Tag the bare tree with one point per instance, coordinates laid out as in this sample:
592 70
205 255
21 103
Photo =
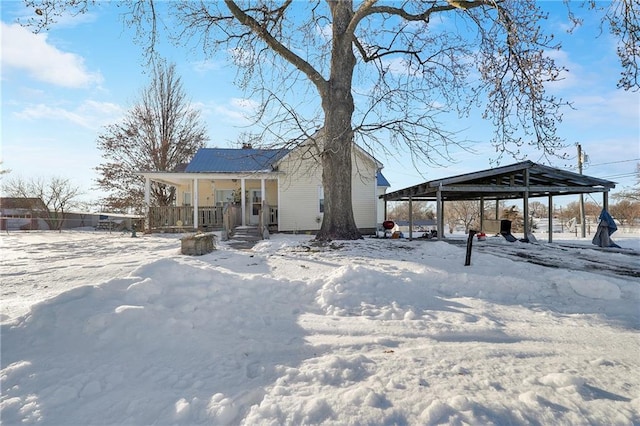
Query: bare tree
421 210
465 212
625 211
491 211
58 195
537 209
591 210
375 71
161 132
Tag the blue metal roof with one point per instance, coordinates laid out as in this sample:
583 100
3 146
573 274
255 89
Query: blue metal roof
227 160
381 180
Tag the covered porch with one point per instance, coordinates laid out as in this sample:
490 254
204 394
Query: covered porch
213 201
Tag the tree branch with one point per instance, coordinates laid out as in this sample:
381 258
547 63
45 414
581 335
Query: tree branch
259 30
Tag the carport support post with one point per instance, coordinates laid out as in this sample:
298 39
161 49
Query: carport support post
410 218
605 200
550 218
525 204
481 214
439 215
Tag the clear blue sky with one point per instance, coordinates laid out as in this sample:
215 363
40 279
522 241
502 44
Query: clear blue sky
61 87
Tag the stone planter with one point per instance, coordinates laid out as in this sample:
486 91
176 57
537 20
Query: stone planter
198 244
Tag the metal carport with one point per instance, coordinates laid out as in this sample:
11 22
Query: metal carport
522 180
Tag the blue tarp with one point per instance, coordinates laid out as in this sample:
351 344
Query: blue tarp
606 227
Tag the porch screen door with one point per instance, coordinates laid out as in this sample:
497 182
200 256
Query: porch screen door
255 205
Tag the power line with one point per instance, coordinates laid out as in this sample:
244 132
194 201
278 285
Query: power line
613 162
624 175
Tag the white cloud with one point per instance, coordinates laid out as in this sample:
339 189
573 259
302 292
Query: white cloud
615 109
236 111
202 67
244 104
89 114
26 51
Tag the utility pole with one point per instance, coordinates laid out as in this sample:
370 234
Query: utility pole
582 214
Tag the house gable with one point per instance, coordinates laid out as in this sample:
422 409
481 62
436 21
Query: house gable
382 181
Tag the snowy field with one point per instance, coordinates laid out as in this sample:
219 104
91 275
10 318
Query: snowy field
102 328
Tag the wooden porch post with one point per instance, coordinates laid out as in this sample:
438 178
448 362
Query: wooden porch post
243 203
264 214
195 204
147 201
278 191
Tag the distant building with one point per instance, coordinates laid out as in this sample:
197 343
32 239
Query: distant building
28 214
21 213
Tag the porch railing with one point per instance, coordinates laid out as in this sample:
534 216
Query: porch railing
210 217
181 217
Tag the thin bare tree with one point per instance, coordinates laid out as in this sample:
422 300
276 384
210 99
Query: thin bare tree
464 212
159 133
57 194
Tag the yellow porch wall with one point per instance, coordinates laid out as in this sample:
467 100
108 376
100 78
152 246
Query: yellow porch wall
207 188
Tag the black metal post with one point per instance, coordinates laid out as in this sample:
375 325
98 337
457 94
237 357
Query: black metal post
467 259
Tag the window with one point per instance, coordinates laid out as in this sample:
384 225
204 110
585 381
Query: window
224 196
186 199
321 199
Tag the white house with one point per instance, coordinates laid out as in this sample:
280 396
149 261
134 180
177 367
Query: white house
278 188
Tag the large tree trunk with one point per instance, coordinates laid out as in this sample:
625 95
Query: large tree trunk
337 103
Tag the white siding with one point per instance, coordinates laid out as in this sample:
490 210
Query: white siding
298 208
380 216
363 190
299 204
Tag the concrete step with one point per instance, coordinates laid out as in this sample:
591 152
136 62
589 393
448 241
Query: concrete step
246 232
245 237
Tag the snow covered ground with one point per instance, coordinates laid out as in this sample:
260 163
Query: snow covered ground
102 328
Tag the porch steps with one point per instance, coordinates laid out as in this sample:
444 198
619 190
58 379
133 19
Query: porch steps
244 237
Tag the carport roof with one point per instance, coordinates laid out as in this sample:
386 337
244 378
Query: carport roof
507 182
